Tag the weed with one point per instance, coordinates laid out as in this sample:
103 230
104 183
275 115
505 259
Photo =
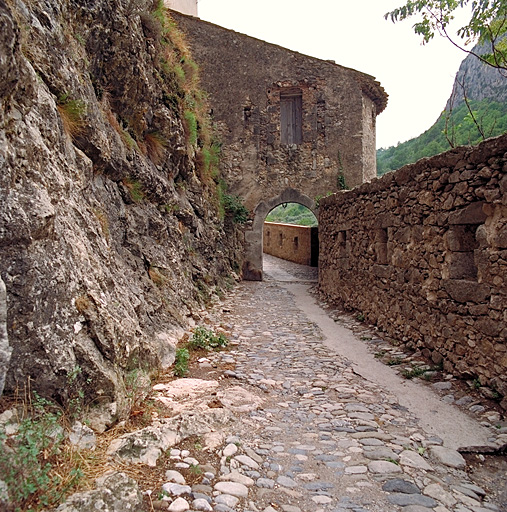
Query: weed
365 338
235 208
80 39
136 384
103 221
206 339
195 469
198 446
181 362
319 197
380 354
135 189
72 114
82 303
341 182
415 371
360 317
389 459
395 361
171 207
476 383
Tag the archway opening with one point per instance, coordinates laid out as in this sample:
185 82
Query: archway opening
252 264
291 233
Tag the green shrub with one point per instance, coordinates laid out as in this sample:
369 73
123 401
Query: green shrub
206 339
181 362
28 459
234 207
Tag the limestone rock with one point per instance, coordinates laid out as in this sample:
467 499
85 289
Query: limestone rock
239 399
414 460
102 254
144 446
115 492
448 457
5 349
232 488
82 436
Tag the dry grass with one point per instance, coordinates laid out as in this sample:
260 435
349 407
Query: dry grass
72 113
83 303
155 145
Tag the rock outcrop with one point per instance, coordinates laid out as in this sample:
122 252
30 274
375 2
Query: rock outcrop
110 236
5 349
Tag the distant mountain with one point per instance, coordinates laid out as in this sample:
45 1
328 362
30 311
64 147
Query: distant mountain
479 97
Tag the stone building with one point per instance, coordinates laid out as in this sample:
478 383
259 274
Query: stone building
293 127
184 6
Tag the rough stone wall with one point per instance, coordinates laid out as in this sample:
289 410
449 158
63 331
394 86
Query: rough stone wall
245 77
422 253
290 242
106 251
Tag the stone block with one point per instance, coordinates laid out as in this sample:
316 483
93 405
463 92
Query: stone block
460 238
471 214
462 290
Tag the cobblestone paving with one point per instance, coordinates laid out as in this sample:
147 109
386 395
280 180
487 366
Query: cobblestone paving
323 439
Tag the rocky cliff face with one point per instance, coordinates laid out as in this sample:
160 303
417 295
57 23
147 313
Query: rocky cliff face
109 235
477 81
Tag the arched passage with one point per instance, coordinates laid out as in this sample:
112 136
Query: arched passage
252 266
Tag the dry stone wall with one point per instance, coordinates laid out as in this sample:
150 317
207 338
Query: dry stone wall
422 253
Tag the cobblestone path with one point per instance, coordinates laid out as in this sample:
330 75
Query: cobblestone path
324 438
295 428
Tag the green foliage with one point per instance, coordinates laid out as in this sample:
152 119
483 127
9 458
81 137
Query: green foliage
487 24
293 213
456 126
415 371
191 126
206 339
321 196
342 185
234 208
181 362
27 459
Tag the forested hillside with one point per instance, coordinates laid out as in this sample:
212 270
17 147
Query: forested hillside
476 110
452 129
292 213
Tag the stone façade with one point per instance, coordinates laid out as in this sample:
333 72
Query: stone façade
247 80
422 253
290 242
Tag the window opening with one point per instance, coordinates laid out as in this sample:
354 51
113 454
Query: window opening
291 117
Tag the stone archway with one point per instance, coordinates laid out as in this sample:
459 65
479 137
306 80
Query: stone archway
252 266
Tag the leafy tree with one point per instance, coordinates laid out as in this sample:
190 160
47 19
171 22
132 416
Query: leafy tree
487 24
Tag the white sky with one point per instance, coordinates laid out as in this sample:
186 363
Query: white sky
354 33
